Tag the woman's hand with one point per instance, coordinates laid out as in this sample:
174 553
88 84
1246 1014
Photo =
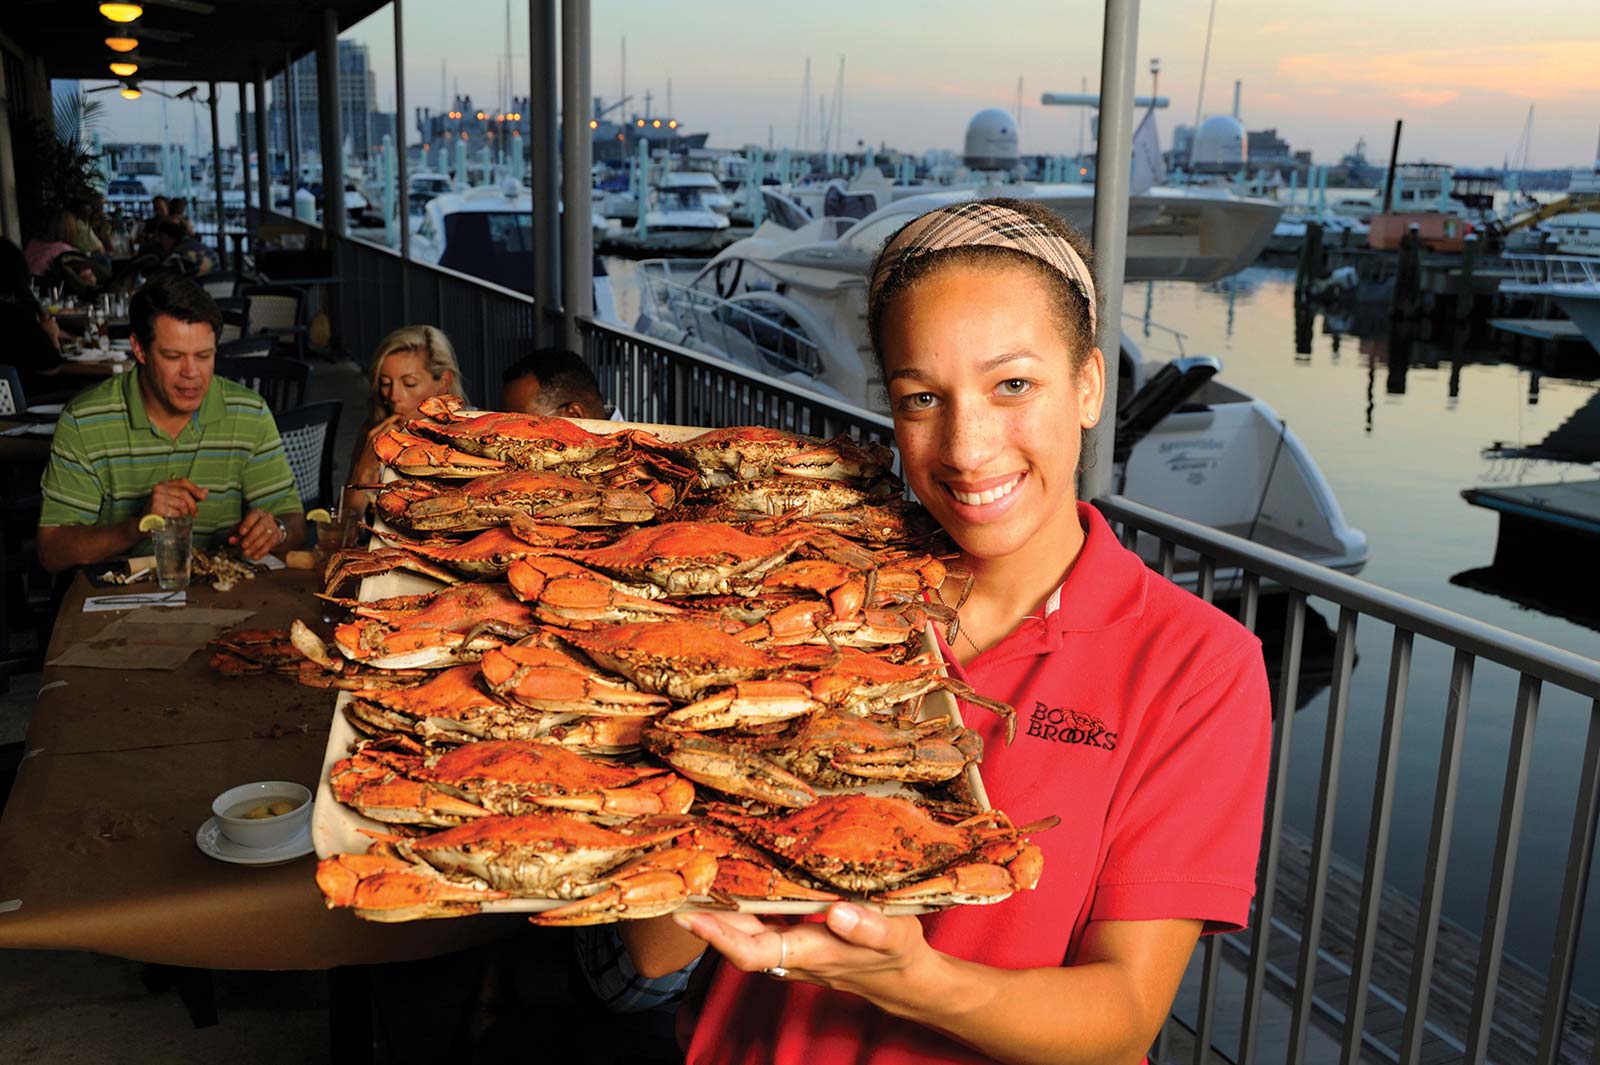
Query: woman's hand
365 470
856 949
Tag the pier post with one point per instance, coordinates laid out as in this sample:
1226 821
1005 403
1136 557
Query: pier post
1113 175
1464 293
1408 275
545 177
402 186
577 234
216 180
330 120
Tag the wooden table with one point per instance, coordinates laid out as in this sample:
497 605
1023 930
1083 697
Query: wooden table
96 367
97 847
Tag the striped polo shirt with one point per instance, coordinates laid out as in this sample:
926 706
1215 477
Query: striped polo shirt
107 457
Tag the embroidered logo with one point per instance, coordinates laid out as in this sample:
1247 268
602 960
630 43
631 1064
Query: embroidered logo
1068 726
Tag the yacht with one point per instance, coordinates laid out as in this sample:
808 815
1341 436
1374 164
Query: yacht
677 216
486 232
1571 282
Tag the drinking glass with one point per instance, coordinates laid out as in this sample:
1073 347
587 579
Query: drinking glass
173 544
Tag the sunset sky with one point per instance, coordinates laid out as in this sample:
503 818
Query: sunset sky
1461 73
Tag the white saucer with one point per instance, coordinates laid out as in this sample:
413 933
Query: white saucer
214 844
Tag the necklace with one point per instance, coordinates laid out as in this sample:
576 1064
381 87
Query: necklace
960 630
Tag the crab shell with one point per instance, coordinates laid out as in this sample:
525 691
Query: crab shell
498 777
675 658
744 453
543 678
524 441
540 855
891 849
439 629
691 558
416 456
382 887
502 498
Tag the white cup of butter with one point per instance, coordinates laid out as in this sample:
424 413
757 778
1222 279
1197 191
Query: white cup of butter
265 813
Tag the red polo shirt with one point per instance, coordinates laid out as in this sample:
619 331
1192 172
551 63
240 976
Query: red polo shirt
1145 724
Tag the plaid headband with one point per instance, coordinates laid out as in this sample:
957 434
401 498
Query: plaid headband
977 223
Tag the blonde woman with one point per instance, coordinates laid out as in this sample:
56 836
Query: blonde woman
411 364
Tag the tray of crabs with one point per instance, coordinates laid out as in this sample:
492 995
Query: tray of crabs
541 730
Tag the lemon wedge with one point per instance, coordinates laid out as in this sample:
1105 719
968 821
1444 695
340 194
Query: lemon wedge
152 522
318 514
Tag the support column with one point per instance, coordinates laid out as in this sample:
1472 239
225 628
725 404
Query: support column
330 119
544 151
291 127
216 180
244 144
577 237
1113 171
263 145
403 190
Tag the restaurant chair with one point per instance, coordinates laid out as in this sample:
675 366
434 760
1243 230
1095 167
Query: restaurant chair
256 347
11 399
278 310
281 382
221 284
308 434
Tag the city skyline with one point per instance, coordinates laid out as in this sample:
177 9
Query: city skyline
1317 76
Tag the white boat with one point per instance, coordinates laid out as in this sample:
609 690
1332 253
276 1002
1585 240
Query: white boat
486 232
1572 282
1573 234
677 216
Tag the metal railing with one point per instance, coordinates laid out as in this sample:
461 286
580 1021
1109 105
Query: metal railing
1540 270
1537 667
702 318
653 381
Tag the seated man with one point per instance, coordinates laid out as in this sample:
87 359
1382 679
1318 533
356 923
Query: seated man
553 381
167 438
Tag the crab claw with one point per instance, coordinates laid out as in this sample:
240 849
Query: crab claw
729 768
977 882
564 592
417 456
382 887
651 886
369 782
543 679
747 703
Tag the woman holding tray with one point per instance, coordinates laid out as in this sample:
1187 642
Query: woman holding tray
1145 719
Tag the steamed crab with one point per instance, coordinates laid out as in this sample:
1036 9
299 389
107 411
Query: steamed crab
544 678
523 441
676 658
440 628
892 850
503 497
725 455
397 781
416 456
488 554
827 747
627 870
813 679
454 708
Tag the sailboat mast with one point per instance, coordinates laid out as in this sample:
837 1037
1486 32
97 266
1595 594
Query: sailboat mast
1205 61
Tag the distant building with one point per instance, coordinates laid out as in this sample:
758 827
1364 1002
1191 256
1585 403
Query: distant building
362 123
1265 148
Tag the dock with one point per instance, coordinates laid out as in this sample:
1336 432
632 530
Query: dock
1515 1033
1539 521
1554 329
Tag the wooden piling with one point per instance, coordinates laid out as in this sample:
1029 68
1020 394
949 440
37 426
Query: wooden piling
1464 293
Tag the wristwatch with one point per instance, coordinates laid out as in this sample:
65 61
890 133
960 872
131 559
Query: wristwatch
283 530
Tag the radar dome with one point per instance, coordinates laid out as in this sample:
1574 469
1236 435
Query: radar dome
1219 145
991 141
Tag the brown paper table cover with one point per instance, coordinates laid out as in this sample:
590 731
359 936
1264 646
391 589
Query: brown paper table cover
97 839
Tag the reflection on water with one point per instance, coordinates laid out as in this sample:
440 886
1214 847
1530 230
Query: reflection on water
1400 421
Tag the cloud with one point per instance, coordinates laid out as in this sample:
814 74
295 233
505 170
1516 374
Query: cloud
1546 70
1428 97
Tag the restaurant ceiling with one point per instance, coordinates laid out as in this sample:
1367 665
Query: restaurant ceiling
175 44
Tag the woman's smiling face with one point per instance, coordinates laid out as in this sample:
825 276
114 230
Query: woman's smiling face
989 407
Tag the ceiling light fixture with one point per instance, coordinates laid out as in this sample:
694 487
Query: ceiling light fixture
122 44
124 70
130 93
121 12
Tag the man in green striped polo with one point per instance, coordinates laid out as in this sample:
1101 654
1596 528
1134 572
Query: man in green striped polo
167 438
